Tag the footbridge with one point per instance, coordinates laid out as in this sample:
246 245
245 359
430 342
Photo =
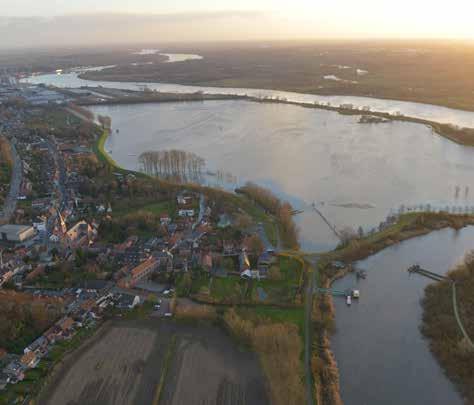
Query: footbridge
434 276
329 224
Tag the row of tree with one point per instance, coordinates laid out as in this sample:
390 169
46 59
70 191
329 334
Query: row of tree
283 211
172 163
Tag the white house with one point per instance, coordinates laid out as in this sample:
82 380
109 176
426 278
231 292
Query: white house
186 213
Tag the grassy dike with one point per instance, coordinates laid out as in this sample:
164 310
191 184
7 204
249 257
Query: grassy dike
323 362
103 156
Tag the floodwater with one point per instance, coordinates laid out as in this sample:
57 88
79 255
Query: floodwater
409 109
356 173
381 353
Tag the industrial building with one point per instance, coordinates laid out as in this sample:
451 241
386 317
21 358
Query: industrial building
16 233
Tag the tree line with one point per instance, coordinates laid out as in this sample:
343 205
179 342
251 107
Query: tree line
172 163
283 211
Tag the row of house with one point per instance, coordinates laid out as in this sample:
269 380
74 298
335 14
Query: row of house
83 310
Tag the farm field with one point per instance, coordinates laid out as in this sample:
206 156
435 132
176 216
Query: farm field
124 364
208 368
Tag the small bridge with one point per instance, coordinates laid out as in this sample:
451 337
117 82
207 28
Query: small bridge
297 212
331 226
434 276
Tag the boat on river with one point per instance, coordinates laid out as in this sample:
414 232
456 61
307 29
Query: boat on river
361 274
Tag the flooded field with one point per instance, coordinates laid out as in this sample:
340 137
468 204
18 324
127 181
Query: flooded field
356 173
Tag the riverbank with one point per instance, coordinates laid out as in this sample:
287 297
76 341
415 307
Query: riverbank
453 351
324 365
134 97
407 227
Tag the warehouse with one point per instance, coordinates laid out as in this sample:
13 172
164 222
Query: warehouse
16 233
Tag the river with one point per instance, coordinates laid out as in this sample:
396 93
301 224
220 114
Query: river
409 109
381 354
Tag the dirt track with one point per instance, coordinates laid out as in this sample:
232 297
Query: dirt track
122 365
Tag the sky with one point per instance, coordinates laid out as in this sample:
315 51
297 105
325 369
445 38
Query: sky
45 21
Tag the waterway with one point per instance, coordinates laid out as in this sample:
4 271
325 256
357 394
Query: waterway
409 109
381 353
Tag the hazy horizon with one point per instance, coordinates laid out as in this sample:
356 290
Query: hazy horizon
28 23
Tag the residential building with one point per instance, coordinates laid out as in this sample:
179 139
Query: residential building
141 272
29 360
